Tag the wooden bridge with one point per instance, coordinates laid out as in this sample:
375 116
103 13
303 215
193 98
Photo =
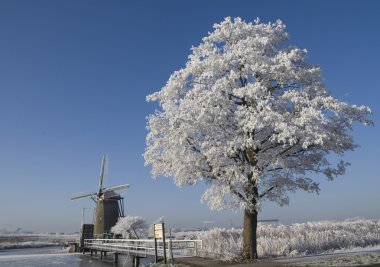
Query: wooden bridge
142 248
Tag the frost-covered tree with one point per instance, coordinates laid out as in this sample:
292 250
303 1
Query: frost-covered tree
252 118
133 227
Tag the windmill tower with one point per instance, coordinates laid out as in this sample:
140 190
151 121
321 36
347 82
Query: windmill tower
109 204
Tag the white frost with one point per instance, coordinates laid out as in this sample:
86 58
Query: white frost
301 239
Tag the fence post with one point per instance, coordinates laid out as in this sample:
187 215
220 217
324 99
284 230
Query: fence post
155 250
171 245
163 240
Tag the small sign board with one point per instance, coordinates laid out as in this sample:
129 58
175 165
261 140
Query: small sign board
158 230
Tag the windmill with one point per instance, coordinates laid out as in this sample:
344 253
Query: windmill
109 204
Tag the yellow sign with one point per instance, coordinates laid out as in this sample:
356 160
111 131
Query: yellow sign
158 230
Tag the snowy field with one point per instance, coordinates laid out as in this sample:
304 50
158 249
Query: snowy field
296 240
14 241
351 242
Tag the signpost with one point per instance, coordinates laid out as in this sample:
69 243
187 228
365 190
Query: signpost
159 232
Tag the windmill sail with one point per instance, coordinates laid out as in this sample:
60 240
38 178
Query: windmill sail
101 176
119 187
83 195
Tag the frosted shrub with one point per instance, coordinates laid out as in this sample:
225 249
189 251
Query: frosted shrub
293 240
220 243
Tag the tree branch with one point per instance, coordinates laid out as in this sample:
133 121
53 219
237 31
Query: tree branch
266 192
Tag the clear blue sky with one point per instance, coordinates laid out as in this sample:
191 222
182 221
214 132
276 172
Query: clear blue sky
73 81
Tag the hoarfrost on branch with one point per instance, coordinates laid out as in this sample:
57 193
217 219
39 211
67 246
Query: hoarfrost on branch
251 117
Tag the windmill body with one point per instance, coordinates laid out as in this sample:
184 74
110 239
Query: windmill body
109 204
107 213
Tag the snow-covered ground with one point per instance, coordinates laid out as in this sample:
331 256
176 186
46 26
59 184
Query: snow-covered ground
355 257
28 244
12 241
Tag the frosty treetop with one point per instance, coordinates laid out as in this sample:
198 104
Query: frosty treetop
249 115
130 227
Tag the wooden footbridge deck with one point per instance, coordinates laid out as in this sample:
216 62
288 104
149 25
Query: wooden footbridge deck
142 248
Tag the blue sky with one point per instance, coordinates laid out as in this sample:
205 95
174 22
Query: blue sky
73 81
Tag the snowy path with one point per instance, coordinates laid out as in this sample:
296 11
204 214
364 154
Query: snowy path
355 257
364 257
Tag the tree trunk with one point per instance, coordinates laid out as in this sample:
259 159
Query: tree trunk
249 235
